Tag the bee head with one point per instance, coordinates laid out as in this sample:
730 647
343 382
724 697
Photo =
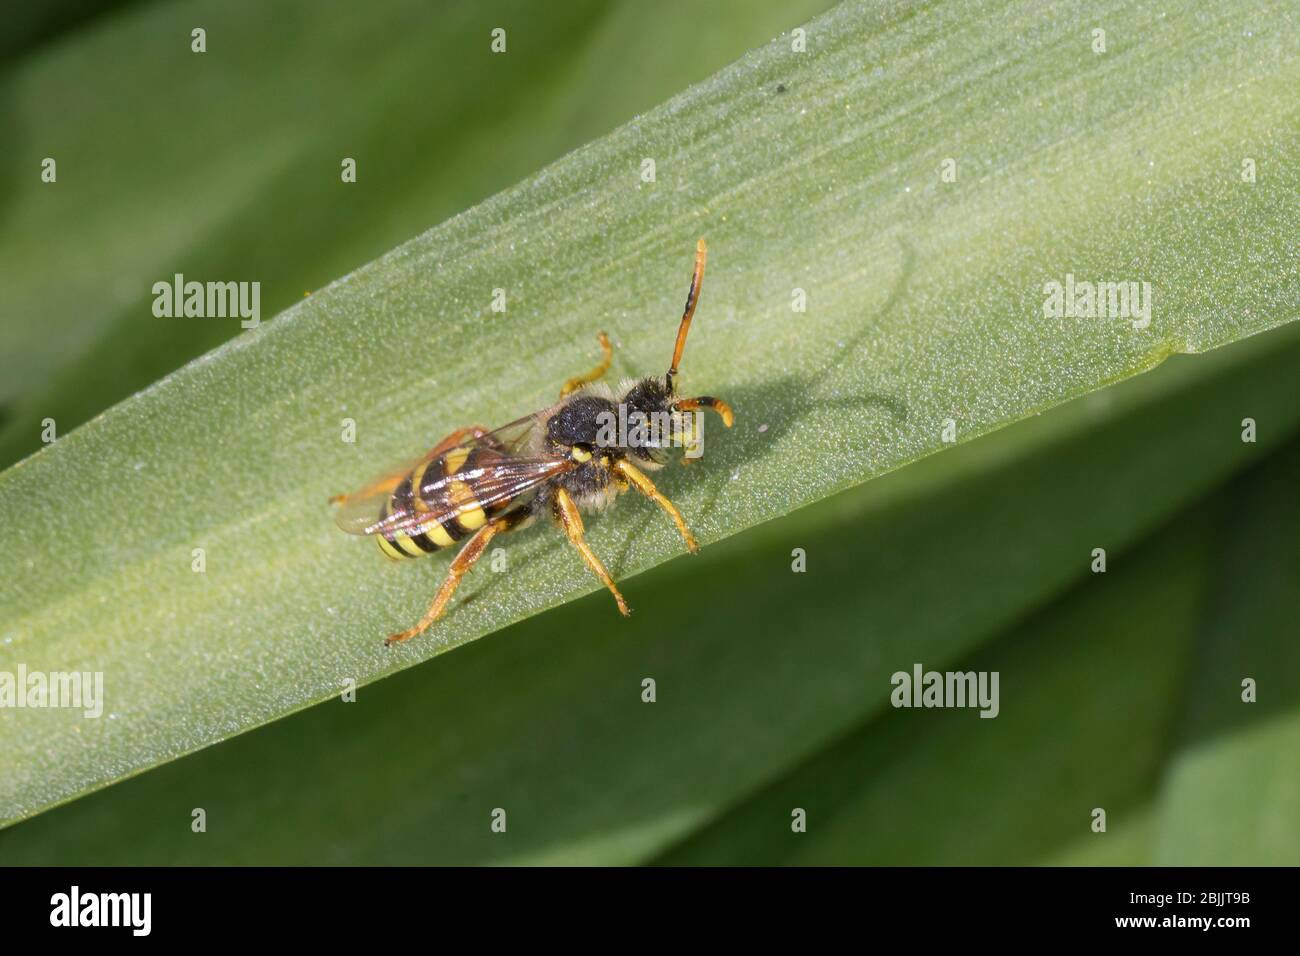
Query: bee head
650 395
659 418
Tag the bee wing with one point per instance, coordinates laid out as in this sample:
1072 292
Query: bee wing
480 472
482 487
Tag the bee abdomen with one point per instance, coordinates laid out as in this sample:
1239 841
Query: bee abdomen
463 513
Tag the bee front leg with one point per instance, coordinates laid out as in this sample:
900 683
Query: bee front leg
575 383
641 481
571 521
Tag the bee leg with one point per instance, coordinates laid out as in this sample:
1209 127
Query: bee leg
456 438
643 484
567 513
465 558
575 383
707 401
389 484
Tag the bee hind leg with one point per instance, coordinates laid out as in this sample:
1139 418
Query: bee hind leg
571 521
575 383
469 553
457 437
386 485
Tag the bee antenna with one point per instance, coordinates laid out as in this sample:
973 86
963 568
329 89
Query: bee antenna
692 299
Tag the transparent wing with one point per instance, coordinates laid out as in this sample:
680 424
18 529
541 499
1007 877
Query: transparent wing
482 472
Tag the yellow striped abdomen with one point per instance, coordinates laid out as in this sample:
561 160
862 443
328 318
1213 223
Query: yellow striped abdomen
431 488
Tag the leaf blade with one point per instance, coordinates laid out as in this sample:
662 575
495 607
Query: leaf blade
929 309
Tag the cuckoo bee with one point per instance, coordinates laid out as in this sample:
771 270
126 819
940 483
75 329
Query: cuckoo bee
477 483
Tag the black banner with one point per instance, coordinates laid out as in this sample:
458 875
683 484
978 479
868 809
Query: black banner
335 905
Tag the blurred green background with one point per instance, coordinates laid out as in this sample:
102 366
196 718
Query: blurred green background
1118 690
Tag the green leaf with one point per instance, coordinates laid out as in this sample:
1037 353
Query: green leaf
1096 711
758 670
925 312
1075 730
224 170
1226 796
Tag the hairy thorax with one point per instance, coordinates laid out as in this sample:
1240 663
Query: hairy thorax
597 427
